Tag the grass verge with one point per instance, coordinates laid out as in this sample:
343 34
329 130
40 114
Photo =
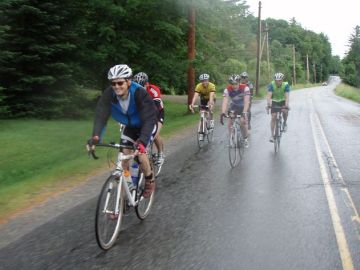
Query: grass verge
40 158
348 92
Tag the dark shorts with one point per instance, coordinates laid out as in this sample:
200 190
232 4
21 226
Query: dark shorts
130 135
277 104
161 116
238 110
204 103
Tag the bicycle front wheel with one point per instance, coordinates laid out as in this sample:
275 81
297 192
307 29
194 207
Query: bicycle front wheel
240 144
143 206
277 137
109 212
201 134
233 147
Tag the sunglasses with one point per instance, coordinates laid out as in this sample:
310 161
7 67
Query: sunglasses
118 83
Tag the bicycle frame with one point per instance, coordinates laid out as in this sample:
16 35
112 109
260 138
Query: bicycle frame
204 114
236 146
278 127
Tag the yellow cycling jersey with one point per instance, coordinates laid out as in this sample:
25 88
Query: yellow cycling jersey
205 91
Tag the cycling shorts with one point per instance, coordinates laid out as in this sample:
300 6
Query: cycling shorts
238 110
130 135
277 104
204 103
161 116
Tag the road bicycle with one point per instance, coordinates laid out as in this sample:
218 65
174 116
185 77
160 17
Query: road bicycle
118 195
204 128
279 126
236 140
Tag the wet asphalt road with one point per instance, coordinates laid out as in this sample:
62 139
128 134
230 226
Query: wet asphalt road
271 212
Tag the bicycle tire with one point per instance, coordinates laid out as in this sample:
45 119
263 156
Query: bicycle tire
233 147
240 144
200 132
144 205
210 132
106 234
277 136
157 168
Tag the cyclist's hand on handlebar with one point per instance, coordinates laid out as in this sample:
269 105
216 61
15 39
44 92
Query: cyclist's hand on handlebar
191 107
268 108
222 118
140 147
92 142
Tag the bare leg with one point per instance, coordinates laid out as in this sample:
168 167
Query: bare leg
272 125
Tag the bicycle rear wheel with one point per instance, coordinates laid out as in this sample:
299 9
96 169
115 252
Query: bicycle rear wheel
233 147
143 206
157 167
109 213
210 132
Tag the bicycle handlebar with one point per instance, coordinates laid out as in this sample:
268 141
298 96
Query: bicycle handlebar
112 145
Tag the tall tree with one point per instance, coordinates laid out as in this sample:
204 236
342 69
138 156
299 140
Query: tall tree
38 45
351 62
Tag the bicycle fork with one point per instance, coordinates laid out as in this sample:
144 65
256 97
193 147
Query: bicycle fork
129 194
201 128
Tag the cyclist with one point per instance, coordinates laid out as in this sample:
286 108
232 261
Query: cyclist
239 95
154 91
129 104
278 96
244 79
206 90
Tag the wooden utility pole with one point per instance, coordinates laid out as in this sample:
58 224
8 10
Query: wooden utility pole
307 69
258 52
268 51
191 52
294 65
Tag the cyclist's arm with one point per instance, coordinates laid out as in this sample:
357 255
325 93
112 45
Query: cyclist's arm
196 95
246 102
147 112
269 94
287 96
102 111
212 97
224 104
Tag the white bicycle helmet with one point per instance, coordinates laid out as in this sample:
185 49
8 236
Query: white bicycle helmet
141 78
244 74
204 76
234 78
119 72
278 76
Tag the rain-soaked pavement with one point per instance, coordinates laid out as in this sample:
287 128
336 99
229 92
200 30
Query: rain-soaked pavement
273 211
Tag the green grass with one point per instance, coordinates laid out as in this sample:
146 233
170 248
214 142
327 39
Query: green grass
40 157
349 92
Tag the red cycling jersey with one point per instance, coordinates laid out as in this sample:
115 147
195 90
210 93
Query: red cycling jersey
155 93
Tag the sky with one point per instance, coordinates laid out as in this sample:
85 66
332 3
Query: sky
336 19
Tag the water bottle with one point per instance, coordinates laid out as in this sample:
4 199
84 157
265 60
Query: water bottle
134 169
128 180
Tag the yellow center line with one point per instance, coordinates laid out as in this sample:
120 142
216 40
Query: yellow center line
343 247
